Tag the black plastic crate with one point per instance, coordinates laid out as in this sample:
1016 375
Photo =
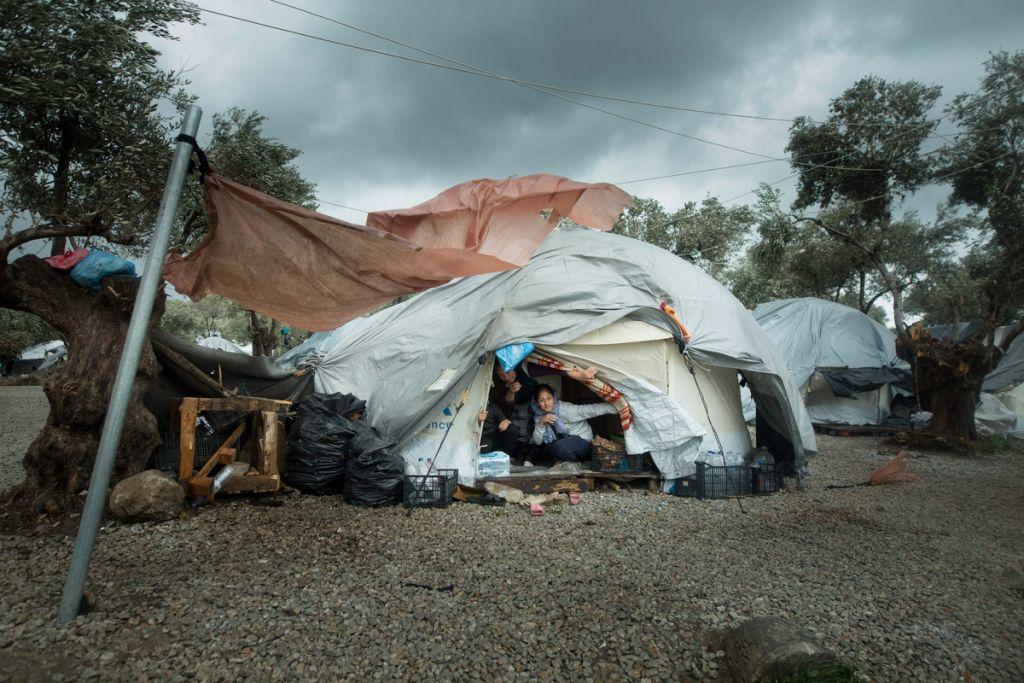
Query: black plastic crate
430 490
620 462
685 487
165 458
765 479
722 481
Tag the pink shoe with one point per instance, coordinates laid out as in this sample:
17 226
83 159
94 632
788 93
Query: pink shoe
574 498
536 509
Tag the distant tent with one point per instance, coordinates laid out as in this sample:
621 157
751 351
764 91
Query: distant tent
215 341
844 362
319 344
585 298
39 357
1006 383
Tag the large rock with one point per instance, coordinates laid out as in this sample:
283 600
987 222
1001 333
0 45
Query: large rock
769 649
149 495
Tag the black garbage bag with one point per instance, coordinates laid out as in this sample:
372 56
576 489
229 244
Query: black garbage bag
318 440
374 473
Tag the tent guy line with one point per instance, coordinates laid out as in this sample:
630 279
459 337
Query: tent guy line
479 72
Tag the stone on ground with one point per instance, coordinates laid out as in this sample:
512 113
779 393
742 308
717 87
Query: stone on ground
147 496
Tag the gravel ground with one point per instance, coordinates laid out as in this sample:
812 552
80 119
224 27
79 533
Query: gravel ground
922 581
23 413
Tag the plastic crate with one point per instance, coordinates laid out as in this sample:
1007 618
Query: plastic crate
165 458
618 461
766 479
685 487
722 481
430 490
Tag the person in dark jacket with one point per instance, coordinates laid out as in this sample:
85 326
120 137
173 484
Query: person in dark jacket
498 434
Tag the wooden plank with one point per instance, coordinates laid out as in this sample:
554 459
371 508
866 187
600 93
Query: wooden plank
246 404
267 433
201 486
187 438
543 484
223 455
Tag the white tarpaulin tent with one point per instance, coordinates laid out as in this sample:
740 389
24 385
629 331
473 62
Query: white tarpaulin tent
1006 383
842 360
39 357
215 341
588 297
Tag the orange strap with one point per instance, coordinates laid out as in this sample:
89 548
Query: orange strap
670 312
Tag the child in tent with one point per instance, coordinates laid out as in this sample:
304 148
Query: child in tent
562 427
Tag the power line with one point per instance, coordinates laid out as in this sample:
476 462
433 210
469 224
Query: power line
700 170
555 88
479 72
839 158
476 71
342 206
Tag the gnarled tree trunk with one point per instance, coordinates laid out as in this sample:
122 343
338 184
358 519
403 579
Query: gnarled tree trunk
947 378
94 324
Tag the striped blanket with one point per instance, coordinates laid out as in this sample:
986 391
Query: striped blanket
606 392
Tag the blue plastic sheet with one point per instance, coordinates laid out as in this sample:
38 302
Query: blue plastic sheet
513 354
98 265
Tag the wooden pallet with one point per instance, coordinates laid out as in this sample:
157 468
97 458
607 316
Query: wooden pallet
545 482
266 428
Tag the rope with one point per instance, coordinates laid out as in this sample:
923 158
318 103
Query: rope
707 412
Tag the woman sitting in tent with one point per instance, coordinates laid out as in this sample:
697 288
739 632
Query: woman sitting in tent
513 392
562 427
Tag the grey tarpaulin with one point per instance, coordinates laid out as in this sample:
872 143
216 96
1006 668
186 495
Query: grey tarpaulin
248 375
815 333
406 359
841 359
1010 370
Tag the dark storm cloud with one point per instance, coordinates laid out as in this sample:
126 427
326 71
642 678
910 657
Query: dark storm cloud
377 132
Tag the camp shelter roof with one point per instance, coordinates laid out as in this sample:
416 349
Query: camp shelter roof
42 350
215 341
815 334
579 281
1010 370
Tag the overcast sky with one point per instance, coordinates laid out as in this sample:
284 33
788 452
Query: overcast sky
381 133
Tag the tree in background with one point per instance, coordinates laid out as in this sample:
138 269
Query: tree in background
863 161
84 152
239 149
985 167
708 234
213 315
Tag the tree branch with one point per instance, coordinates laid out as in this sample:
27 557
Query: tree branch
92 226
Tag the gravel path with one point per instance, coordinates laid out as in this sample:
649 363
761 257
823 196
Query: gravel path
920 581
23 413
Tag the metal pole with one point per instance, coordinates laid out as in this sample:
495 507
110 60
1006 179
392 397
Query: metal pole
92 515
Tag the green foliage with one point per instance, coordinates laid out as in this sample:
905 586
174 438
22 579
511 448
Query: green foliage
830 672
708 234
20 330
82 138
897 121
988 163
212 315
864 160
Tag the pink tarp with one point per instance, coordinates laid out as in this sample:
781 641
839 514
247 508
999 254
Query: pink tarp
317 272
503 218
